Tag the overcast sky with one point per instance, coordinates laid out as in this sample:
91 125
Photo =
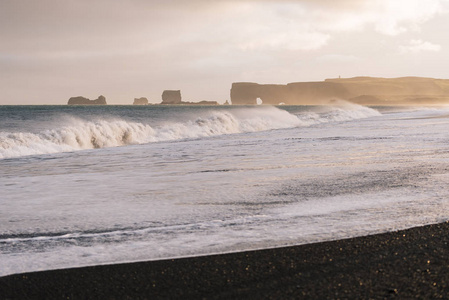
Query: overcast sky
51 50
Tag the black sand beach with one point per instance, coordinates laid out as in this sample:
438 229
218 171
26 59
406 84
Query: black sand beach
406 264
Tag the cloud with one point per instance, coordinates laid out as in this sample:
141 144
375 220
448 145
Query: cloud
417 46
91 28
308 25
384 16
400 16
141 44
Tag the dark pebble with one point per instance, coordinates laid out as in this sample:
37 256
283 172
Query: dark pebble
409 264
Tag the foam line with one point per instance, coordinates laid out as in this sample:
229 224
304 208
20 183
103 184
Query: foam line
82 134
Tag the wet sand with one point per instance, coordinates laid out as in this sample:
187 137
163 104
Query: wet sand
406 264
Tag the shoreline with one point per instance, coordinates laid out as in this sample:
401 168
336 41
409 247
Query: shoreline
403 264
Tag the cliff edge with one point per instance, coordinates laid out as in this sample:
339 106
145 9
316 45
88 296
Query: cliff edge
360 90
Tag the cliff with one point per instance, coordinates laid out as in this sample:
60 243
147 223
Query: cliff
101 100
361 90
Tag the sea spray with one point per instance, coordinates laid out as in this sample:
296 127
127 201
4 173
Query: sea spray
84 135
227 193
100 133
337 111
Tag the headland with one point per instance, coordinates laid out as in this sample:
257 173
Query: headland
372 91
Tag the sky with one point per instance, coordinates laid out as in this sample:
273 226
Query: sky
51 50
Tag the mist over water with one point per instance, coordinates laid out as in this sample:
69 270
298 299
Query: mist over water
95 185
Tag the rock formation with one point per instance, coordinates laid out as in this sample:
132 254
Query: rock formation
361 90
84 101
203 102
140 101
171 97
174 98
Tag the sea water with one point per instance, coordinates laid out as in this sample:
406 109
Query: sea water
88 185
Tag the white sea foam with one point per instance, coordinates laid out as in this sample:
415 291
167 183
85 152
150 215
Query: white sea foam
273 188
339 111
82 134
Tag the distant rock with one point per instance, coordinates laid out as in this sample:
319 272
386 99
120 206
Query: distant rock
204 102
140 101
171 97
84 101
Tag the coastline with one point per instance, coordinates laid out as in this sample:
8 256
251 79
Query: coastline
410 263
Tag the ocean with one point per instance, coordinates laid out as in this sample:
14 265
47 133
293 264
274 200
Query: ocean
90 185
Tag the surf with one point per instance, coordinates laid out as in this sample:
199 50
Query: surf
101 132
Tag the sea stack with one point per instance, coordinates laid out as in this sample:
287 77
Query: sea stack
140 101
101 100
171 97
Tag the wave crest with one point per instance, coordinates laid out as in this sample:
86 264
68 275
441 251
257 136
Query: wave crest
83 134
339 111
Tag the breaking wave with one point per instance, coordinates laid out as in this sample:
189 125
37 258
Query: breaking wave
340 111
82 134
